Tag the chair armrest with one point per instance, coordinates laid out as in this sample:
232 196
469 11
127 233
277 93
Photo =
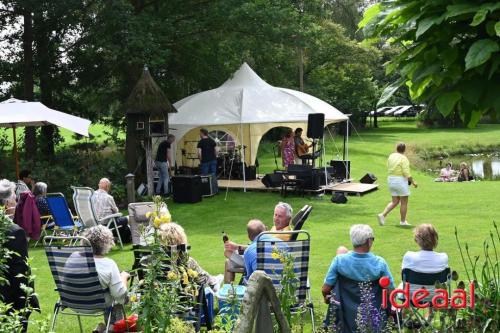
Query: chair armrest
112 216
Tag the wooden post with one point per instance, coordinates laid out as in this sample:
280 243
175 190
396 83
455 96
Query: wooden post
149 164
130 178
16 154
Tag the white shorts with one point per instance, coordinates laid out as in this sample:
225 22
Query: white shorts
398 186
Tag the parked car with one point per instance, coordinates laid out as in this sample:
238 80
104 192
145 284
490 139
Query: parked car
391 111
380 111
408 111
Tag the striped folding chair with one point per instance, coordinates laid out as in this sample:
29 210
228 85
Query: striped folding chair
72 265
65 223
299 250
82 199
299 219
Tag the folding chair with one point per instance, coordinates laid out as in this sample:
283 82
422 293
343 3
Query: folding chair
347 293
82 199
61 215
137 217
299 249
77 282
299 219
428 281
46 219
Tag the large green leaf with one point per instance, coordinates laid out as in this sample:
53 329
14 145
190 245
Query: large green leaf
427 23
497 28
456 10
369 14
447 101
480 52
389 91
479 17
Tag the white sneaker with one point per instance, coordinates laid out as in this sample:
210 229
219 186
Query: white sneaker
381 219
404 224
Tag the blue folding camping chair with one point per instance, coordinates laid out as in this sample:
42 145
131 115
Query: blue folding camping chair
65 223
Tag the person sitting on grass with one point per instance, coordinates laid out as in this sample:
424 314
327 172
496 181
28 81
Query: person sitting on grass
114 282
464 173
173 234
359 264
447 174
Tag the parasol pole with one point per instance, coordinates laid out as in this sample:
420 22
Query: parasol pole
16 156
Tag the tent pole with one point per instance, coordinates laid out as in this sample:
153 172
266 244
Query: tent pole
243 157
347 150
16 155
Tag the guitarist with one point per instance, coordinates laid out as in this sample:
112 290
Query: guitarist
301 148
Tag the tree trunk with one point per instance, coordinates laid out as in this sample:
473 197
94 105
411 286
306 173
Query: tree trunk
43 48
28 82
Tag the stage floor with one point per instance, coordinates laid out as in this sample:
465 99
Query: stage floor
256 185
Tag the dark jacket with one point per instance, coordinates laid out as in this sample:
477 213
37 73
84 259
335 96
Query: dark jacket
27 215
11 292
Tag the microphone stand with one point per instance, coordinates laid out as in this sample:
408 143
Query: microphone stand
274 153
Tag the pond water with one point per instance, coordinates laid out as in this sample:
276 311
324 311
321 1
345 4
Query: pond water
483 166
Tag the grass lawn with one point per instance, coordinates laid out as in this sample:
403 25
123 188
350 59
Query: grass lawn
471 207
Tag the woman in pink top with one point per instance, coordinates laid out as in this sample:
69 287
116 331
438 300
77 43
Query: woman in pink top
288 149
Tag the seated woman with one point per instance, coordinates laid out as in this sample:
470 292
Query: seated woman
464 173
173 234
40 193
426 260
101 240
8 199
447 174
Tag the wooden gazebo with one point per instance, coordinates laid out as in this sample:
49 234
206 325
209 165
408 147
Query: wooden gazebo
147 110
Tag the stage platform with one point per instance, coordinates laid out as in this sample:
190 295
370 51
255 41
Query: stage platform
256 185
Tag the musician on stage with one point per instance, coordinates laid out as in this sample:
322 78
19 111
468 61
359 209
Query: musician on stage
207 153
301 148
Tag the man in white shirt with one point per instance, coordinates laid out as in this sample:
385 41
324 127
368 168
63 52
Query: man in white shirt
104 205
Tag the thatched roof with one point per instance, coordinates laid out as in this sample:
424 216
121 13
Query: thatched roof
147 97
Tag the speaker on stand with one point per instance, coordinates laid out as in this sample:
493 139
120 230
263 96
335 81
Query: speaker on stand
315 129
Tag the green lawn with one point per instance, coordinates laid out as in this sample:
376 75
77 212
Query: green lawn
471 207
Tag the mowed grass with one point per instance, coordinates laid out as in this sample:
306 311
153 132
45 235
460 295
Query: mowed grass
470 207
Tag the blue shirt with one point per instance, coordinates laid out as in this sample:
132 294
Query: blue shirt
250 255
358 267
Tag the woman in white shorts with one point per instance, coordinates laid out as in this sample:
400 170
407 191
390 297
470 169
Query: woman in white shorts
398 180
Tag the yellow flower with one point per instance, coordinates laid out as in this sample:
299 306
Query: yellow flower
171 275
133 298
185 279
192 274
148 214
166 218
275 255
157 222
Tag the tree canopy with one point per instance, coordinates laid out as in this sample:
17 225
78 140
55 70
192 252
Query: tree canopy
450 53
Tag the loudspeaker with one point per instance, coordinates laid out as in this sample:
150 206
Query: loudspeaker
315 125
272 179
250 172
206 186
186 189
341 169
369 178
339 198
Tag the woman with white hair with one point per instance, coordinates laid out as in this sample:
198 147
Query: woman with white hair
114 282
173 234
8 196
40 193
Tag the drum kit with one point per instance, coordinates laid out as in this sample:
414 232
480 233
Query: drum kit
229 164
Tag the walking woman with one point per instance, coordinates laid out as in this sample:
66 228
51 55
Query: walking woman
398 180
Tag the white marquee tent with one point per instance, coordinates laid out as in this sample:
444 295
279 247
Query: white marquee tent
246 107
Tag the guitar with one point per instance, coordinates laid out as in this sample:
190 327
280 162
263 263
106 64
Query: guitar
302 149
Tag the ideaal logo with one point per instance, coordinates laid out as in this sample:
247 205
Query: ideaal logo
440 300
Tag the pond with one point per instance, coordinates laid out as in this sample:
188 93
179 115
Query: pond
483 166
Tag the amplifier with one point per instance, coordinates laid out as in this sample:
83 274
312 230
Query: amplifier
207 189
186 189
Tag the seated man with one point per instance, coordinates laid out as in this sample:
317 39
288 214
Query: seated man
104 205
254 228
24 183
359 264
234 252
